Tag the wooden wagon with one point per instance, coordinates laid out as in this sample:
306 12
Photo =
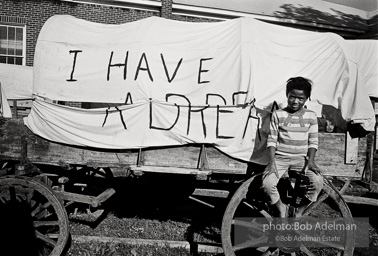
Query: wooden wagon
47 197
46 194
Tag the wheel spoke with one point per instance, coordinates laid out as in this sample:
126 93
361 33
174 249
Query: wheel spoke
248 224
269 252
250 243
306 251
32 203
45 223
45 239
323 196
330 245
344 187
263 212
29 196
40 208
266 252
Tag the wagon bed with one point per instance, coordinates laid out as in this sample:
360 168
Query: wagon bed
197 159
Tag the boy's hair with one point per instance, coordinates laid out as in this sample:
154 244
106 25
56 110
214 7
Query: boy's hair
299 83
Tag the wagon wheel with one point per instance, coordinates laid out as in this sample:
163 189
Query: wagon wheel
244 218
340 184
31 214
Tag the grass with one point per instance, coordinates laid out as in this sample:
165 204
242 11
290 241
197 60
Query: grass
136 228
139 228
110 249
166 214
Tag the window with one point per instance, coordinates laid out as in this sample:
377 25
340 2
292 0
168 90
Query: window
12 44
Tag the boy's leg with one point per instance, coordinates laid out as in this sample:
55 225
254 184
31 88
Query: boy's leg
316 185
269 185
313 190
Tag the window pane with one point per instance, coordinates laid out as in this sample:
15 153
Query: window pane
11 60
18 61
19 48
3 32
11 47
3 46
12 44
11 33
19 34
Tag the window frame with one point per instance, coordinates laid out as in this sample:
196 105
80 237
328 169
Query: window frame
23 55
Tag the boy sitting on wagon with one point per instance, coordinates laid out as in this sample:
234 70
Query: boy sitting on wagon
292 143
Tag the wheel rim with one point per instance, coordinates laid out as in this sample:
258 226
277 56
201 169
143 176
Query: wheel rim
49 221
231 222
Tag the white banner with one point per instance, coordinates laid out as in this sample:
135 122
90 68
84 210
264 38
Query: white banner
201 70
231 129
5 110
16 81
366 54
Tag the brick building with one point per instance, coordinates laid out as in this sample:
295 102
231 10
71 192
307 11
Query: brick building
21 20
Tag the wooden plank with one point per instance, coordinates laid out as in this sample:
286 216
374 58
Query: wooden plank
360 200
41 151
15 108
331 153
219 161
203 162
201 202
183 156
169 169
105 196
91 200
376 138
351 151
229 171
211 192
182 170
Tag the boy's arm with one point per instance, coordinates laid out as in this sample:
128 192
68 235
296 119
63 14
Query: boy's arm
313 146
271 146
311 155
311 161
271 167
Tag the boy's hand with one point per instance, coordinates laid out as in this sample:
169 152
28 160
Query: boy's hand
271 168
313 167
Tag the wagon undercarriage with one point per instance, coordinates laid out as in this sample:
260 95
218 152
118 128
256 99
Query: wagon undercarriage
65 172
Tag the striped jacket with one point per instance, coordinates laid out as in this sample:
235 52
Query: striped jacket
293 134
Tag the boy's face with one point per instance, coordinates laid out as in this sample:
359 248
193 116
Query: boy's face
296 100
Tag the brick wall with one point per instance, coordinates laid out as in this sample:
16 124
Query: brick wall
166 9
34 13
